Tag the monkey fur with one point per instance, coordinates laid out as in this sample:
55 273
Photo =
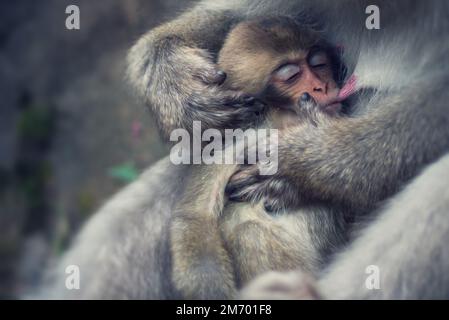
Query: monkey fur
204 266
390 154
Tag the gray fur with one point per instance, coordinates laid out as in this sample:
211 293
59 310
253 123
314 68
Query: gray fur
122 252
397 133
413 259
407 244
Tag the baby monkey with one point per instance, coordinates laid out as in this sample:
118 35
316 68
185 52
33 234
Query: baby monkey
217 245
284 65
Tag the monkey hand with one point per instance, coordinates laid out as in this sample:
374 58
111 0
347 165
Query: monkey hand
182 84
281 286
248 185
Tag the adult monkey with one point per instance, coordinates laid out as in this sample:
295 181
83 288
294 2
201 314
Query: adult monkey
398 132
358 163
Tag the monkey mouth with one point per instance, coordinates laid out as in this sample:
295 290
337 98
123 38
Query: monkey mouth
335 105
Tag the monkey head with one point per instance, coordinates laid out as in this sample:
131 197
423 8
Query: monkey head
280 61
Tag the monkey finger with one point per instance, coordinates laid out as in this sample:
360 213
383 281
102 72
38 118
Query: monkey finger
275 205
239 112
247 185
221 109
281 194
200 63
248 102
271 206
214 77
211 77
246 193
234 186
245 172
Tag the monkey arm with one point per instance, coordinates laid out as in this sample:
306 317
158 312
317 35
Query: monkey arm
172 68
359 161
387 249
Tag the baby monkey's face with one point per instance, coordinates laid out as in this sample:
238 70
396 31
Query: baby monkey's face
279 61
310 72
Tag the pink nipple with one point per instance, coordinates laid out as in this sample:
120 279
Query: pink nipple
348 89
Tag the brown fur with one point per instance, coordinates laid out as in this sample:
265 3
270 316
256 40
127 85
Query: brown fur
206 266
253 48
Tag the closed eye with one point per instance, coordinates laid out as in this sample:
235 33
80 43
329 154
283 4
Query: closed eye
318 59
287 72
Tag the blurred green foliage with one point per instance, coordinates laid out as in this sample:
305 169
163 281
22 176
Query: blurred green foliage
126 172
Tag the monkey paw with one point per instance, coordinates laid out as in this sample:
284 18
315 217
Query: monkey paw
248 185
222 109
203 97
183 84
294 285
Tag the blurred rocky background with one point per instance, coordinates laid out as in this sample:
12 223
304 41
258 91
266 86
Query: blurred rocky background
71 131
